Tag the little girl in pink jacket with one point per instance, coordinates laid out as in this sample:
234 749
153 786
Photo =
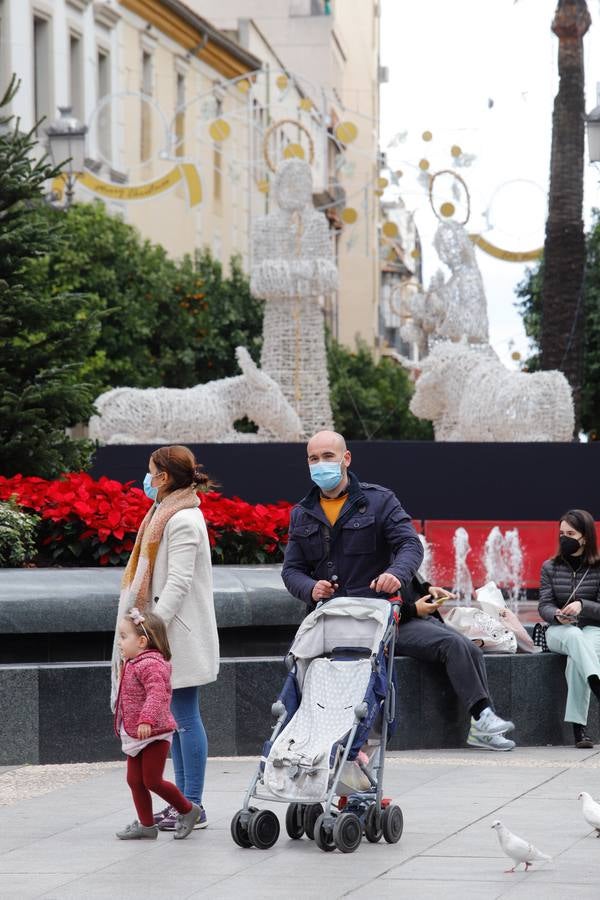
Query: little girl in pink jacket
145 725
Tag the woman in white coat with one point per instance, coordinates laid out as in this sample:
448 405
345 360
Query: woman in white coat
170 570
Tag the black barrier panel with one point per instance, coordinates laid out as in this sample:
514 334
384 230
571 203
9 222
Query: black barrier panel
433 480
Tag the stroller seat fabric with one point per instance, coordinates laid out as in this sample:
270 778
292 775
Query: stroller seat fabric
298 766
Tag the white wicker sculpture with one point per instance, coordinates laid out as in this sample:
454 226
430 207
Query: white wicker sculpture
469 395
292 268
453 309
204 413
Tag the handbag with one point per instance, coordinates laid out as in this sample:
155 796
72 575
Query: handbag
539 635
540 628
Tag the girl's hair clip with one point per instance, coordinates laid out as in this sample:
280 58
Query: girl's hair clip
138 619
136 616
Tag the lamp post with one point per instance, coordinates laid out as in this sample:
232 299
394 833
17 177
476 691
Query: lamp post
66 144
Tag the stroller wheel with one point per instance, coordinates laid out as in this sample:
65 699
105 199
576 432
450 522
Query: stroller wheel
347 832
373 831
263 828
393 823
311 814
239 832
323 836
294 820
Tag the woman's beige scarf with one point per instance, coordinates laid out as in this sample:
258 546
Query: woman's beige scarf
137 578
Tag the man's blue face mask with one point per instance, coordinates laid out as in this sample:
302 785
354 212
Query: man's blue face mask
326 475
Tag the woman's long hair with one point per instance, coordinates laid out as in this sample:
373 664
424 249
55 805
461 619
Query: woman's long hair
581 520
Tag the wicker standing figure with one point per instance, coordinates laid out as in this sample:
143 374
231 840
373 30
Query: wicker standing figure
292 268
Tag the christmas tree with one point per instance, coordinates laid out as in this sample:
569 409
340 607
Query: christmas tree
44 337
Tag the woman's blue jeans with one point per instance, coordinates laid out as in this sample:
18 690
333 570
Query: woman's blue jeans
190 747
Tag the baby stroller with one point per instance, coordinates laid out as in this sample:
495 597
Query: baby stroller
326 754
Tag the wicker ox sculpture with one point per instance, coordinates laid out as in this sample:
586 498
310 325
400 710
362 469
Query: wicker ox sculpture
469 395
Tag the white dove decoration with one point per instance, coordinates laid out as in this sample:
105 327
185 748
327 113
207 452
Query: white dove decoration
591 811
517 849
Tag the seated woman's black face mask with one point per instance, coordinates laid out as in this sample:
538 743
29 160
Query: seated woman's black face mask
568 545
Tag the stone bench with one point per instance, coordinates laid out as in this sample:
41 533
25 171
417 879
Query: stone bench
58 712
54 708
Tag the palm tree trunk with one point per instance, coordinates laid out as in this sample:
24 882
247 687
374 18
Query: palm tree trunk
564 247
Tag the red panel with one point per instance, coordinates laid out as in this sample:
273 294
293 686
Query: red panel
538 542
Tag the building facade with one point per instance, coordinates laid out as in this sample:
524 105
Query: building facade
183 115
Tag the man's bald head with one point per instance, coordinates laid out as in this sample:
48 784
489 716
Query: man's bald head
326 441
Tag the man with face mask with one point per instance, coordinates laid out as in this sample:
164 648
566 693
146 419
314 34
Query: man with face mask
353 539
346 537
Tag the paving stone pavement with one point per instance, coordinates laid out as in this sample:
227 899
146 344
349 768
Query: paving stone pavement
57 841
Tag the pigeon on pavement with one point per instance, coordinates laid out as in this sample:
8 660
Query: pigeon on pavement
591 811
516 848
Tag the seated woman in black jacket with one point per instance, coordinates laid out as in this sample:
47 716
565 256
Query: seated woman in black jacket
570 603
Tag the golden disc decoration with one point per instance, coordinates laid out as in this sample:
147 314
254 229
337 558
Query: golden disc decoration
455 151
282 82
293 150
415 254
423 165
243 85
263 185
382 183
515 355
306 104
427 136
445 207
390 230
346 132
219 130
349 215
288 153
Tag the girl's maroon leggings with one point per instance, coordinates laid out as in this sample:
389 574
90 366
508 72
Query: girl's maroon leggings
145 774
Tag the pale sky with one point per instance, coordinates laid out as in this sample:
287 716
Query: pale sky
481 74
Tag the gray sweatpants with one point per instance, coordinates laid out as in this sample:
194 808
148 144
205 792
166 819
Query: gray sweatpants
433 641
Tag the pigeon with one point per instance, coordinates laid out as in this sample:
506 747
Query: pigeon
591 811
516 848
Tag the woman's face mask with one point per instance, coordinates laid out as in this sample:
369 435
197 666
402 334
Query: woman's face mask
150 492
569 545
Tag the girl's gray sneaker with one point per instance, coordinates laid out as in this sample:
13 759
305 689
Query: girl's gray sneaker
185 822
136 831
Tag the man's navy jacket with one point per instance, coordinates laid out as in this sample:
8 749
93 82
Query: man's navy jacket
372 535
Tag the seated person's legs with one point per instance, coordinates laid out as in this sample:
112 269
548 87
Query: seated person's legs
433 641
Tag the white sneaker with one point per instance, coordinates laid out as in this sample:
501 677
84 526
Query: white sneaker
489 741
489 723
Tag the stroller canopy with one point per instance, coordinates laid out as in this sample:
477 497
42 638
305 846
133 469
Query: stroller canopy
342 622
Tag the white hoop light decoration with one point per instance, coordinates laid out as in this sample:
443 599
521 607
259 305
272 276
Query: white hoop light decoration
278 124
465 188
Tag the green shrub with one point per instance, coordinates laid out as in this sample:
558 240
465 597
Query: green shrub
18 532
163 322
369 399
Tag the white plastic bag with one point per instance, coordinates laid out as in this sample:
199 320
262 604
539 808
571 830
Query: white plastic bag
489 598
485 630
